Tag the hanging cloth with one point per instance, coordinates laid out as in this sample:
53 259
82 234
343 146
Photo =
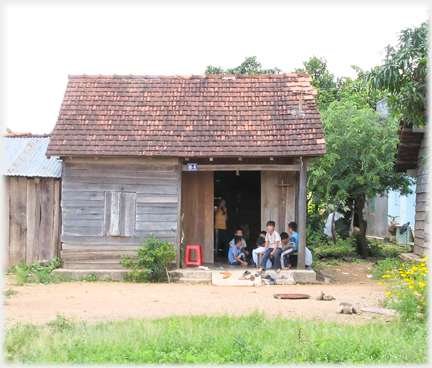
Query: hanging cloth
328 225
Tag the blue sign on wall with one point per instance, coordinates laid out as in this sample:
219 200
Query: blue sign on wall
192 167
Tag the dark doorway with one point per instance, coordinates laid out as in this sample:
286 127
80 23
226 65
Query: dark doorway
242 193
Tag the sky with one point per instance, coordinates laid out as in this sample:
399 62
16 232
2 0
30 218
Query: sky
43 42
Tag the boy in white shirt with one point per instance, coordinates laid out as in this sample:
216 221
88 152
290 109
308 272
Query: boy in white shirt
259 250
273 248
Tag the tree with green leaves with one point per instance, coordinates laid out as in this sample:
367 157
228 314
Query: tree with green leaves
404 75
249 66
359 160
323 81
331 88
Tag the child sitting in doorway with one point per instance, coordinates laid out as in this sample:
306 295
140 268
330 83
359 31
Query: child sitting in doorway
291 247
259 250
239 232
273 248
236 256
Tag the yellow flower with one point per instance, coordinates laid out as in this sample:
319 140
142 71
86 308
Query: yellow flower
388 292
380 283
425 258
422 265
403 275
387 271
411 287
398 293
414 268
403 265
424 303
406 279
422 284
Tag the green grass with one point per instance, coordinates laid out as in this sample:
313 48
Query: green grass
37 273
9 292
388 264
253 339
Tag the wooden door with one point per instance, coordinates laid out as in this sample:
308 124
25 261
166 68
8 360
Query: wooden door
278 198
197 205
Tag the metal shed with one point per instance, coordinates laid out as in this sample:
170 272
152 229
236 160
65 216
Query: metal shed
32 199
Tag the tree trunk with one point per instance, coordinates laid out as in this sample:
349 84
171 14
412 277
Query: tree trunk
351 231
359 206
333 227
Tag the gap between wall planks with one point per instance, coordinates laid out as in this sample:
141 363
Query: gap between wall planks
34 219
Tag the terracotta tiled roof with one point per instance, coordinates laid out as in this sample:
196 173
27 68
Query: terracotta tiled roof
193 116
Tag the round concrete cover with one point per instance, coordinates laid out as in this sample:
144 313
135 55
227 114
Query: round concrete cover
291 296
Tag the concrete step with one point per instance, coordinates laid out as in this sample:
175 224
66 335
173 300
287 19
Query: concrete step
185 280
96 264
191 274
102 274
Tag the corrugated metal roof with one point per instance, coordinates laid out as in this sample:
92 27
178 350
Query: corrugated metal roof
26 157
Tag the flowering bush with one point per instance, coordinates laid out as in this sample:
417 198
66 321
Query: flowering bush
407 290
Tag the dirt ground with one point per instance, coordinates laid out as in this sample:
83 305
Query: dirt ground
107 301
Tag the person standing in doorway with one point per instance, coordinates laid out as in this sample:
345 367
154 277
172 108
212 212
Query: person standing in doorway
221 232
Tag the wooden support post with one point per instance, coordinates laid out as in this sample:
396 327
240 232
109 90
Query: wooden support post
302 214
179 220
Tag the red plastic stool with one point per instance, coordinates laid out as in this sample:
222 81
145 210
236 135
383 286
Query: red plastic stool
199 260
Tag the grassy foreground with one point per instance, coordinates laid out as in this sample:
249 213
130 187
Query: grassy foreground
253 339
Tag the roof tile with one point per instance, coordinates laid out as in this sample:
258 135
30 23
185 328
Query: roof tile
210 115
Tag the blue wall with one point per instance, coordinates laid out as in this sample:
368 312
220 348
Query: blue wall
402 207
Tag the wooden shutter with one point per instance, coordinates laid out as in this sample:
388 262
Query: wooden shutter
119 214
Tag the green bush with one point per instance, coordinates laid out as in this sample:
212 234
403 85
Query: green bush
342 248
151 264
22 271
408 290
314 237
382 267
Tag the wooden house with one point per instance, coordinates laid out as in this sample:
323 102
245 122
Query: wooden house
412 158
32 199
126 142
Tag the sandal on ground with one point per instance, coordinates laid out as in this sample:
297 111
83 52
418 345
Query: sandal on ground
246 273
252 278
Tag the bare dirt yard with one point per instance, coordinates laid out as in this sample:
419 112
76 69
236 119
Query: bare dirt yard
108 301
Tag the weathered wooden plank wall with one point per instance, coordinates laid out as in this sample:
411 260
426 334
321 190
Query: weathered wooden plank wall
6 221
109 205
422 222
32 218
278 198
197 204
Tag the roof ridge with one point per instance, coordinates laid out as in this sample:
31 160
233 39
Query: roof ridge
25 135
191 76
